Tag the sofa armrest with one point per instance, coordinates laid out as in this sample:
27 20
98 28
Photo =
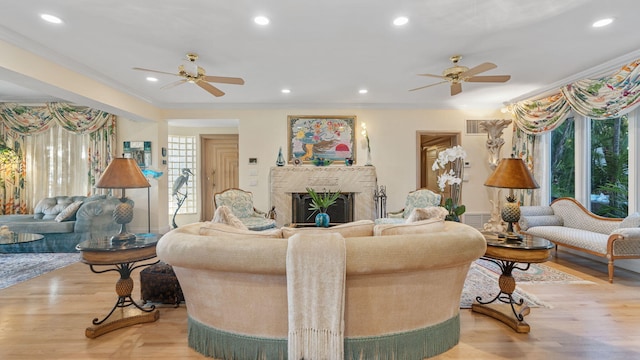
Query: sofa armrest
94 219
627 233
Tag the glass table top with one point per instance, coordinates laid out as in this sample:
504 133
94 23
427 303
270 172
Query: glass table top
527 242
14 238
106 244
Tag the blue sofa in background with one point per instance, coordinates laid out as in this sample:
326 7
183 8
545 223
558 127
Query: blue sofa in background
93 218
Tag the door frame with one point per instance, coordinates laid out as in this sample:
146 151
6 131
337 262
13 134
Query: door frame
456 139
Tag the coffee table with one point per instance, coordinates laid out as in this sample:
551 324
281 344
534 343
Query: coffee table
120 256
511 255
15 238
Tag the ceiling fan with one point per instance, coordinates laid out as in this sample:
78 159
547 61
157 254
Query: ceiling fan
192 73
457 74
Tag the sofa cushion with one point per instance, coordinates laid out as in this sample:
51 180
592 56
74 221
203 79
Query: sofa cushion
429 212
350 229
582 239
36 226
48 208
223 215
418 227
220 229
69 213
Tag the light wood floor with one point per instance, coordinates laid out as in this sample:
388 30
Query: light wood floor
45 318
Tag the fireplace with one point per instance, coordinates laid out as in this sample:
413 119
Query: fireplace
339 213
358 183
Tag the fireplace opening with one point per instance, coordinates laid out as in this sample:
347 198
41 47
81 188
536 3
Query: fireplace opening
339 213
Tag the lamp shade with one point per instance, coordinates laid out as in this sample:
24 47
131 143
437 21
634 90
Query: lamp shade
512 173
122 173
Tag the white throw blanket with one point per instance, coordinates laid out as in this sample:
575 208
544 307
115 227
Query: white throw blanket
316 266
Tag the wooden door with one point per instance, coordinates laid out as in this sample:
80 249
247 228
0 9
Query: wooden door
220 168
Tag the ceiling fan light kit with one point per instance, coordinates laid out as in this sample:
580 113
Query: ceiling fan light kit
457 74
193 73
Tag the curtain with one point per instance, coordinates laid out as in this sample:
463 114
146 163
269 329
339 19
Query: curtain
524 147
600 98
63 148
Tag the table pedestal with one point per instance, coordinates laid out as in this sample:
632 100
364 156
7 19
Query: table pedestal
126 311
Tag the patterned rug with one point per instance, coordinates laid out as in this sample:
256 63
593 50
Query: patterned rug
537 274
15 268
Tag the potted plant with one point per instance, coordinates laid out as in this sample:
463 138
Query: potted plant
319 203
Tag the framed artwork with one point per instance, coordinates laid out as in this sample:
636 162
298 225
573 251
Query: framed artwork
316 137
140 151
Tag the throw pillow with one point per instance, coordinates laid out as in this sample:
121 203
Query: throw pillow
418 227
69 213
632 220
224 215
429 212
220 229
351 229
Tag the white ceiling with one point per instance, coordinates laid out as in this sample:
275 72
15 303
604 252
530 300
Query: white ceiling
324 51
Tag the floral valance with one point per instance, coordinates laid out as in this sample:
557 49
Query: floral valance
601 98
29 119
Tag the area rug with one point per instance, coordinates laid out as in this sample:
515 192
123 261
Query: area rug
484 283
537 274
15 268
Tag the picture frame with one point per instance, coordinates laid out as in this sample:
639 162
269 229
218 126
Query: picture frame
312 138
138 150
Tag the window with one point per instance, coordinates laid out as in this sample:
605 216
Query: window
562 160
610 167
181 154
590 162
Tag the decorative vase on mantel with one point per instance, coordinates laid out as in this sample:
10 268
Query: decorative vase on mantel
280 160
322 219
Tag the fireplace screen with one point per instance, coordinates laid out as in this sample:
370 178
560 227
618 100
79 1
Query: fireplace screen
340 212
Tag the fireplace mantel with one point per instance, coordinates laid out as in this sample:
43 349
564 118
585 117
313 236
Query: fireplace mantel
286 180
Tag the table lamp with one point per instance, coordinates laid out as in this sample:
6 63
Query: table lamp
511 173
123 173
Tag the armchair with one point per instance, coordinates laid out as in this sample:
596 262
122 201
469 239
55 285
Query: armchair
416 199
241 204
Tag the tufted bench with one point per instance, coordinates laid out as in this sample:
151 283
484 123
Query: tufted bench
567 223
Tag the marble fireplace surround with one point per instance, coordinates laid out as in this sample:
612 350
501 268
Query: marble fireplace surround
359 180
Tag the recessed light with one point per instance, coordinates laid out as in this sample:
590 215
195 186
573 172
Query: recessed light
152 79
602 22
400 21
50 18
285 91
261 20
363 91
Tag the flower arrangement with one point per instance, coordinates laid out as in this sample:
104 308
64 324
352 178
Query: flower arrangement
453 177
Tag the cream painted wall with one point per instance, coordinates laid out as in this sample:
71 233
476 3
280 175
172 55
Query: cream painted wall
393 144
157 197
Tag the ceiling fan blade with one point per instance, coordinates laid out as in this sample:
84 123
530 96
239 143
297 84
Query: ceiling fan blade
173 84
155 71
477 70
210 88
456 88
225 80
493 78
423 87
433 75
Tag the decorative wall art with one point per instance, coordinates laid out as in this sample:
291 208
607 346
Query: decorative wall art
140 151
329 138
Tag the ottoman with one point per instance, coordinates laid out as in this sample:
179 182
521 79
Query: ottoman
158 283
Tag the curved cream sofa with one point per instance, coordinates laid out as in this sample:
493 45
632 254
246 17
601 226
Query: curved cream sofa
402 292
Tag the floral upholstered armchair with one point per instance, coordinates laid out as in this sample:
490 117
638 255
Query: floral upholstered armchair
420 198
241 204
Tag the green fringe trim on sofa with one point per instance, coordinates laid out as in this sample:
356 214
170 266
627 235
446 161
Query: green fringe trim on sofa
415 344
221 344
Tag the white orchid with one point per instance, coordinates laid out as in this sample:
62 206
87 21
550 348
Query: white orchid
448 156
449 178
